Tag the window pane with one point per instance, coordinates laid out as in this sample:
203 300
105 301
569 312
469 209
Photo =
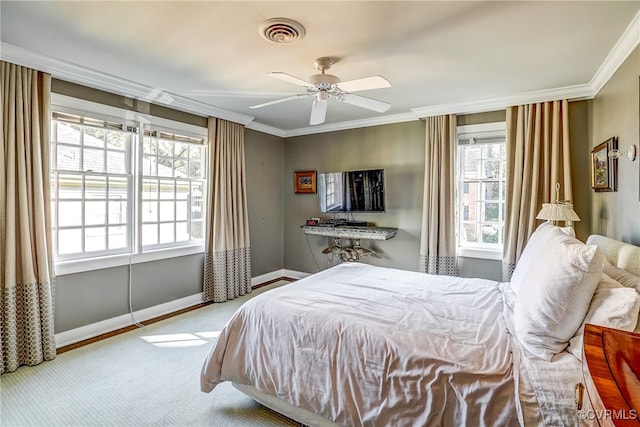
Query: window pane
182 190
181 168
93 137
167 189
490 234
116 139
181 232
166 233
94 213
116 162
165 148
69 186
196 151
118 188
149 145
117 237
491 211
197 229
491 169
118 212
470 233
165 166
471 162
95 187
181 211
149 189
491 190
67 158
195 169
94 239
197 192
149 165
473 191
69 241
93 160
69 213
67 133
471 211
182 150
167 211
150 211
149 234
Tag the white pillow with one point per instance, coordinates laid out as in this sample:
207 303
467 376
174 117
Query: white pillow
625 278
613 306
555 280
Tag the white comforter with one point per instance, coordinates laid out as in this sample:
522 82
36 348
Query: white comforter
370 346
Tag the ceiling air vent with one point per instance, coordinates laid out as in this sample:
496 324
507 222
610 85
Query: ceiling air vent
281 30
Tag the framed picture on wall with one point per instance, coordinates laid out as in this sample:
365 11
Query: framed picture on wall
304 181
604 172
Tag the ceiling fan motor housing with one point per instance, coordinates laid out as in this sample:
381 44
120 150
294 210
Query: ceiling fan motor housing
323 81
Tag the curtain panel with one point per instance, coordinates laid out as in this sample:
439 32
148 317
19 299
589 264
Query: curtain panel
438 236
26 256
227 265
538 157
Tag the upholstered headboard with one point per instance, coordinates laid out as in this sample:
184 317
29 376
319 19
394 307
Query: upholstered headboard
620 254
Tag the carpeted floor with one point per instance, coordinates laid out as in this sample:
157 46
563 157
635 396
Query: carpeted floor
146 377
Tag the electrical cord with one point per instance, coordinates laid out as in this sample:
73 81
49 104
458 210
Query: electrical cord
133 317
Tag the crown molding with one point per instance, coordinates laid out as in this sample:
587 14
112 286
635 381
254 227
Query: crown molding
573 93
260 127
73 73
629 40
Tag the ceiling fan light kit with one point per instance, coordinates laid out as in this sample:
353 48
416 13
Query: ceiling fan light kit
323 86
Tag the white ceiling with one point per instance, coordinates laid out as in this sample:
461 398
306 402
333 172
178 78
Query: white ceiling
441 57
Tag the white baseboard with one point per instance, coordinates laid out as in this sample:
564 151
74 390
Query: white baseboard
292 274
109 325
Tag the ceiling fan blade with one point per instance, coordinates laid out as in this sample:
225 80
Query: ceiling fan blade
364 102
375 82
318 111
291 79
278 101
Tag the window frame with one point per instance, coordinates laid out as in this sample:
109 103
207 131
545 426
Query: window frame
69 105
480 131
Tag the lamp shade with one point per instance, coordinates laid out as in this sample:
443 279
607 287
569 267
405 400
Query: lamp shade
558 212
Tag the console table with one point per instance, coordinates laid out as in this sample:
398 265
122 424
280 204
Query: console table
353 252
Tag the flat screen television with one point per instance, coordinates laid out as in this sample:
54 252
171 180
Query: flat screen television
352 191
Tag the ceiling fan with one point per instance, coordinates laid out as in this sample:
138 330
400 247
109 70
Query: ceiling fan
323 86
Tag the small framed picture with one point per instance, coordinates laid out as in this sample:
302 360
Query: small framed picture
304 181
604 173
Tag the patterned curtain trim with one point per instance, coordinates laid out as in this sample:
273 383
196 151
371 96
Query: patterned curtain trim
444 265
227 274
507 271
26 329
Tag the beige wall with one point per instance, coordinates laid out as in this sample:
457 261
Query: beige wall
616 113
399 149
264 159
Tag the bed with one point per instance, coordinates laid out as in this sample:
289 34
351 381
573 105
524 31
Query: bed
359 345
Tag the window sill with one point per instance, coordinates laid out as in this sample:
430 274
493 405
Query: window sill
491 254
89 264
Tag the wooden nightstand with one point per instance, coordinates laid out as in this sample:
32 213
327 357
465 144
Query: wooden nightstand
611 378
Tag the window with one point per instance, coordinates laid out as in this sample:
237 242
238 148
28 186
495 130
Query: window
172 190
481 190
124 187
91 186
